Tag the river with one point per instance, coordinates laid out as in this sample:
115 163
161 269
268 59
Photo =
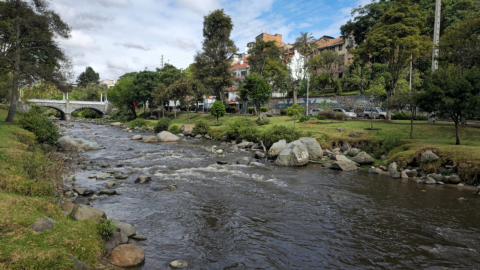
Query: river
244 217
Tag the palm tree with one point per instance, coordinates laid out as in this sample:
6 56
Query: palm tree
302 42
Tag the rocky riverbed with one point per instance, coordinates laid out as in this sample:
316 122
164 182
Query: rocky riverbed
200 202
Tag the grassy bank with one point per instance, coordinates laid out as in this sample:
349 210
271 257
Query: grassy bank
27 185
439 137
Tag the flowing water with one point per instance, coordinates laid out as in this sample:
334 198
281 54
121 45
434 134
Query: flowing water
244 217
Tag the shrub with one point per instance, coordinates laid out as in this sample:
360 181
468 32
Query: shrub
215 134
303 119
249 133
250 109
339 116
327 114
232 109
233 129
377 149
408 116
263 109
162 125
283 111
43 128
217 109
88 113
75 114
139 122
279 132
321 117
105 228
263 122
174 129
201 127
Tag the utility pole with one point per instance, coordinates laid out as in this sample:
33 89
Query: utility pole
308 85
410 83
161 64
436 34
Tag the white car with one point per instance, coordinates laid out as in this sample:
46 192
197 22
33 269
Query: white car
315 111
347 113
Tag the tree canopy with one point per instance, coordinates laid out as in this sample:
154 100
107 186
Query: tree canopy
256 89
143 86
87 77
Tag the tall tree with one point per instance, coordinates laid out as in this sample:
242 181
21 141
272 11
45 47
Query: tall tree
257 90
28 49
186 90
393 43
87 77
169 74
143 86
212 65
304 43
327 62
161 96
359 77
454 91
121 95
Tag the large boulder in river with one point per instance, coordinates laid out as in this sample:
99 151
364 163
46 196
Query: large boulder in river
313 147
69 143
166 136
127 256
116 238
428 156
344 165
363 158
296 154
276 148
83 212
345 147
137 137
393 170
124 227
143 179
149 139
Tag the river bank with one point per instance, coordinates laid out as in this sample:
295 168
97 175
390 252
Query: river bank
234 215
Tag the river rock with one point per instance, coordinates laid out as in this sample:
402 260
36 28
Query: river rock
143 179
455 179
77 264
257 164
68 143
343 165
124 227
393 170
82 200
428 156
166 136
67 206
219 152
83 212
149 139
222 162
259 155
411 173
178 264
41 225
403 174
345 147
103 176
352 152
313 147
430 181
372 170
245 144
437 177
383 168
296 154
79 190
111 184
121 176
233 149
107 192
117 238
116 124
139 237
243 161
363 158
127 255
276 148
137 137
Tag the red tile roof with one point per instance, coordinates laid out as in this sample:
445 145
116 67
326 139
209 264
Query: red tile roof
332 42
239 66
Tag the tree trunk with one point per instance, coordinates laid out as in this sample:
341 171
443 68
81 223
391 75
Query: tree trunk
188 113
134 112
294 96
456 132
16 73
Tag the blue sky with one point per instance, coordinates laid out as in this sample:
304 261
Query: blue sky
119 36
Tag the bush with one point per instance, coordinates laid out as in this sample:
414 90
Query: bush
215 134
263 109
162 125
340 116
303 119
249 133
233 129
88 113
218 109
201 127
283 111
139 122
75 114
320 117
232 109
43 128
377 149
327 114
174 129
263 122
279 132
119 116
105 228
250 109
408 116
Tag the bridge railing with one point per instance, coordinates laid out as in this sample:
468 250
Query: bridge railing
64 101
87 102
48 101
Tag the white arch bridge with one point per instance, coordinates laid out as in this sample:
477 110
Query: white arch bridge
66 106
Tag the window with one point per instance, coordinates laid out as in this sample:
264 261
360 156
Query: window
340 47
242 74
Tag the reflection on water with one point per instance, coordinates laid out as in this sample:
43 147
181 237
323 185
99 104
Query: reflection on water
243 217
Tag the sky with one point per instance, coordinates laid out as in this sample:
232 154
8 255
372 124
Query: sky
119 36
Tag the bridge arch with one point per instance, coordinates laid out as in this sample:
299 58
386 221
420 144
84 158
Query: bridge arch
60 109
101 112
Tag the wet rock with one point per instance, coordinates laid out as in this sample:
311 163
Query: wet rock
117 238
345 147
107 192
121 176
105 165
68 143
111 184
77 264
313 147
82 200
428 156
363 158
344 166
79 190
276 148
171 187
393 170
41 225
455 179
124 227
243 161
372 170
137 137
67 206
143 179
219 152
83 212
460 185
352 152
166 136
127 255
222 162
233 149
259 155
383 168
92 176
178 264
103 176
149 139
296 154
430 181
403 174
411 173
116 124
139 237
437 177
245 144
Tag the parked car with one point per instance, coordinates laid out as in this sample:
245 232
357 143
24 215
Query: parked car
315 111
347 113
376 113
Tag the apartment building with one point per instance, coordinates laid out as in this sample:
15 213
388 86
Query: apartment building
341 46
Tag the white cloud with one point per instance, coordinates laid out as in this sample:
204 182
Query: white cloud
111 3
80 40
202 7
133 45
117 65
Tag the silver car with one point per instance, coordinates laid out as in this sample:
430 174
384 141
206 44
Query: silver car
347 113
376 113
315 111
